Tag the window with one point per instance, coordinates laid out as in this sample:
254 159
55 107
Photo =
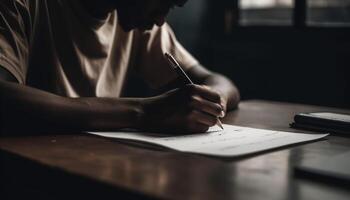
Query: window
297 12
328 12
266 12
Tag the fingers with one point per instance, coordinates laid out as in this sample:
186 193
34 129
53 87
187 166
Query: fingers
202 118
206 106
204 92
200 122
193 108
206 100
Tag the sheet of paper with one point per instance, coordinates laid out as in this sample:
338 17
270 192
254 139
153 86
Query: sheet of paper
231 142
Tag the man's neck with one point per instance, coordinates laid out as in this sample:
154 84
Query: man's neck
99 8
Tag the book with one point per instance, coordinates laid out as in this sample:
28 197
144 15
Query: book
323 121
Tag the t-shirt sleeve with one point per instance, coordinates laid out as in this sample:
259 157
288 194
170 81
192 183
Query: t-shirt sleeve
15 30
152 65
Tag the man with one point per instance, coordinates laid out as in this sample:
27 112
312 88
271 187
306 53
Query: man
63 65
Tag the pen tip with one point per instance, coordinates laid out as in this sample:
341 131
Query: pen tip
220 125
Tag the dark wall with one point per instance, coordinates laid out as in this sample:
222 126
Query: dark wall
309 65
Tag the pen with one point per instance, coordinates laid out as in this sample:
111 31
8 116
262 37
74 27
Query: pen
175 65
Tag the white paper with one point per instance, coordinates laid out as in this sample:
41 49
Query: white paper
231 142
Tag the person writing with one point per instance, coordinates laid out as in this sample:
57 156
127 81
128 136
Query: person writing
64 63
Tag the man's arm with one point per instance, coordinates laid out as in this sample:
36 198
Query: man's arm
27 108
181 110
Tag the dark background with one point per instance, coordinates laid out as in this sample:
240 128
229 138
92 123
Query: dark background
276 53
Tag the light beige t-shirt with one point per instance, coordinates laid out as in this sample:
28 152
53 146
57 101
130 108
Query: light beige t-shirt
57 46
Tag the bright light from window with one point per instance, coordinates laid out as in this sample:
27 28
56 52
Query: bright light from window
259 4
266 12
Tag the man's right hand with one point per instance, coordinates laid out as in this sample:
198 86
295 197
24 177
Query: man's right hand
190 109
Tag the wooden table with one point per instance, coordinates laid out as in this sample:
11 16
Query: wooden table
85 166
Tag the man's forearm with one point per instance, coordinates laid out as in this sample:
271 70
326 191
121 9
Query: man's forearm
28 108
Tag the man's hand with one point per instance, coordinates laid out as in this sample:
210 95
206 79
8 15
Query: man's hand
190 109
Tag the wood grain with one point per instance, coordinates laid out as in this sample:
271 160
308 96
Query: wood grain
80 165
